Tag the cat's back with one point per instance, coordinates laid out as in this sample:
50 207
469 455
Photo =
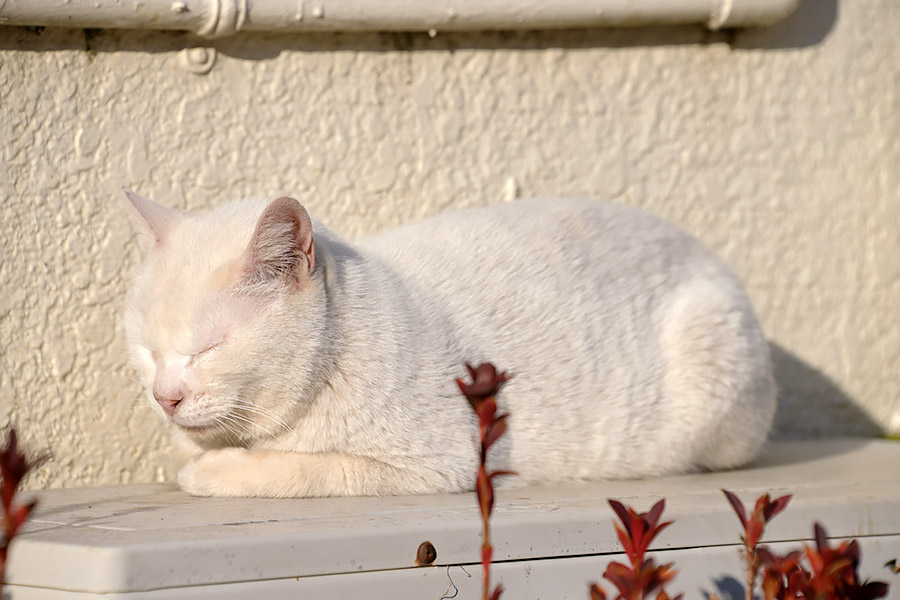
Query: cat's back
542 243
551 272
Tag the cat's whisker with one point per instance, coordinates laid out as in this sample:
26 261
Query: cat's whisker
231 419
230 429
237 425
221 426
257 410
250 421
251 408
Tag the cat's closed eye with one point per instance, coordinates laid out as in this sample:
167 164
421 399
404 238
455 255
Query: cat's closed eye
204 352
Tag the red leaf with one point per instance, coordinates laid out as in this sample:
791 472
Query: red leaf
620 511
622 577
872 589
626 542
486 410
486 382
772 586
496 429
497 591
500 474
650 577
17 517
816 562
777 505
737 506
636 532
783 565
13 468
655 513
662 575
852 550
766 556
463 386
798 583
821 538
754 531
762 502
597 592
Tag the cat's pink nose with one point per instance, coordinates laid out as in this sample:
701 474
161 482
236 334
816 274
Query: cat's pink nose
168 402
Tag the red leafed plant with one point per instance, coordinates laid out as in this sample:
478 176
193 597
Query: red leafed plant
13 466
481 394
832 573
642 577
764 511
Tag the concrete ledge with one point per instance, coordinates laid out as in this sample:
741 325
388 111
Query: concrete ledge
153 541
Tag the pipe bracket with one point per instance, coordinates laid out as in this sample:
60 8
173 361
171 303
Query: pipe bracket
199 59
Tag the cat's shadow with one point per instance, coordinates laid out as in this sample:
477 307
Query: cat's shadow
807 26
811 405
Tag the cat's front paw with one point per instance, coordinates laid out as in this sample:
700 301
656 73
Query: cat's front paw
223 472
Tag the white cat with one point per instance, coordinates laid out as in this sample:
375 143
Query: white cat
296 364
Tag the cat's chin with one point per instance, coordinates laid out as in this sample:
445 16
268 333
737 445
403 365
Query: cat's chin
195 428
201 431
206 435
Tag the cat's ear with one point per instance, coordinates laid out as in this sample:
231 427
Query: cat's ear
282 245
154 221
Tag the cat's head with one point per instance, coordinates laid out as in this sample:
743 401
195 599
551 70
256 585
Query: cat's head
225 316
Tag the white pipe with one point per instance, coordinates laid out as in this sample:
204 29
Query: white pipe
214 18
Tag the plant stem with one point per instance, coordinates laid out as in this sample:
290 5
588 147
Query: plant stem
486 538
752 569
486 566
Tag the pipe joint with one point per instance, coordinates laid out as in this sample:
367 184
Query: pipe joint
226 17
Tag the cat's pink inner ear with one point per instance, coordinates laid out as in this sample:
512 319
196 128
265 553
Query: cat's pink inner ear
282 245
154 220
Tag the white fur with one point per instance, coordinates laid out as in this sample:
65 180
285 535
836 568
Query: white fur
633 350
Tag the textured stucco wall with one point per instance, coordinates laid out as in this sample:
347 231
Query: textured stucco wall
778 147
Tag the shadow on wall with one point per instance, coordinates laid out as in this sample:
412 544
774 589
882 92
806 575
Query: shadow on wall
807 26
812 405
